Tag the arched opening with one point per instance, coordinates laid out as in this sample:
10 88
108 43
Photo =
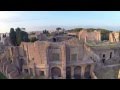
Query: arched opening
26 71
42 73
54 39
87 72
103 55
103 60
68 73
21 62
77 72
11 61
55 72
110 55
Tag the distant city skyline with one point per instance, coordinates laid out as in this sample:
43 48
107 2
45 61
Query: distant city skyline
39 20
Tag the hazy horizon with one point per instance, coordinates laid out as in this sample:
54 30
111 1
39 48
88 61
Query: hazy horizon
40 20
52 28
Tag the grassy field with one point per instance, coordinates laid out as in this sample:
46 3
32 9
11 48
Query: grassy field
2 76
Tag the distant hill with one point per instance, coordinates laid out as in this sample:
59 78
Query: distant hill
104 32
89 30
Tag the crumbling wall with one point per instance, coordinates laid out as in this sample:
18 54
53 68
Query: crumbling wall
107 72
42 37
114 37
89 36
36 57
10 62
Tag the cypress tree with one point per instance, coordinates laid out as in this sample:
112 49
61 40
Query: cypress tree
12 36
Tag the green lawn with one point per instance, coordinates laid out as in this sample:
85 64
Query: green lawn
2 76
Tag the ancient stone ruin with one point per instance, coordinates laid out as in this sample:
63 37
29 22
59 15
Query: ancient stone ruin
62 57
114 37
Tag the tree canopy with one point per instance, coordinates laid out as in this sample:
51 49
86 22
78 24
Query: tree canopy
12 36
58 28
33 39
46 32
75 30
17 36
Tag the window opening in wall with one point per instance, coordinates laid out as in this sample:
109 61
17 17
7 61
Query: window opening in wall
103 60
77 72
74 57
55 73
26 70
90 57
42 73
56 57
54 40
110 55
68 73
10 61
87 72
103 55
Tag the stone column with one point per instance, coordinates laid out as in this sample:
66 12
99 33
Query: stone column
6 71
91 68
82 71
64 73
34 74
46 61
72 72
29 71
3 67
119 74
63 58
47 73
99 36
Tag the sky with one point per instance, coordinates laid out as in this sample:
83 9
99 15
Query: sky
39 20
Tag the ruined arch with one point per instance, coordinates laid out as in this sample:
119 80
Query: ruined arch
110 55
21 62
55 72
87 72
68 72
103 55
54 40
77 72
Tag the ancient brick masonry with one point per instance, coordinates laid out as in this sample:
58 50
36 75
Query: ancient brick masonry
66 59
114 37
89 36
9 62
49 58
